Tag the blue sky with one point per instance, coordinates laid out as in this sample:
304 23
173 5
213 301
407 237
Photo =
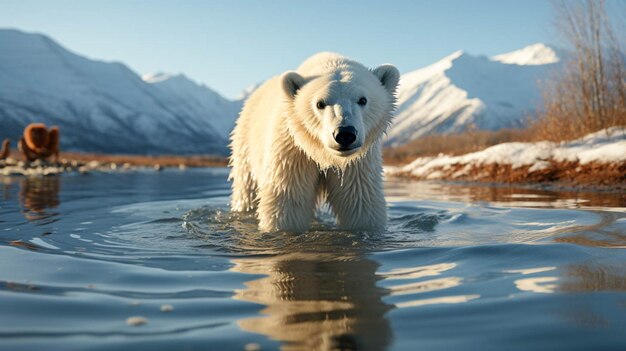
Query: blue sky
230 45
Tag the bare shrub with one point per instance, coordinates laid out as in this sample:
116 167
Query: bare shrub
452 144
590 93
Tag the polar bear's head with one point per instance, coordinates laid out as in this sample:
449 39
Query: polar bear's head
338 109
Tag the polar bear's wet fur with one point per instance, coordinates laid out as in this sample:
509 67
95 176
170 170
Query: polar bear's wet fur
312 136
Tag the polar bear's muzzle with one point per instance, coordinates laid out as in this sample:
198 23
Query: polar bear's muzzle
345 138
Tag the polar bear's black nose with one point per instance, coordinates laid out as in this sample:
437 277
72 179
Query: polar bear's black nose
345 136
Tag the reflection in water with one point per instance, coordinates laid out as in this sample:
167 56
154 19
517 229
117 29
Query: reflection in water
594 277
6 188
37 195
317 301
544 285
530 270
421 286
606 239
418 272
591 277
425 286
609 232
438 301
504 195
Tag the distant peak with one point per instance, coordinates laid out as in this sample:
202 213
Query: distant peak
455 55
248 91
156 77
18 32
537 46
535 54
443 64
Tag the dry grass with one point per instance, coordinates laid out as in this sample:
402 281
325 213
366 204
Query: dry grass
573 173
452 144
590 94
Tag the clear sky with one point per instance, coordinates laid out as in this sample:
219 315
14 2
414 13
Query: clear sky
232 44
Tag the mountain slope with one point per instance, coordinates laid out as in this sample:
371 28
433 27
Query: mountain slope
198 100
462 91
104 107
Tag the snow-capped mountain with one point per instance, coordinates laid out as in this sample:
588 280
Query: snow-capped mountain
106 107
463 90
198 100
536 54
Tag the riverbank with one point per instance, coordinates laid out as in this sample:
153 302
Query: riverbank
85 163
598 159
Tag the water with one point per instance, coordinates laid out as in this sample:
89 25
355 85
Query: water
473 268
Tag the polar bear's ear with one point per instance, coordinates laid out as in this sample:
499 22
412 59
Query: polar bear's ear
389 76
292 82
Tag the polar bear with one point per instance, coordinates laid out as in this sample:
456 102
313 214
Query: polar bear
312 136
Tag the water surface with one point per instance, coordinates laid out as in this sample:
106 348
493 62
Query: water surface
460 267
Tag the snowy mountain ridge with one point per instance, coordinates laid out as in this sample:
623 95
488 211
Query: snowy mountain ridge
536 54
198 99
462 91
106 107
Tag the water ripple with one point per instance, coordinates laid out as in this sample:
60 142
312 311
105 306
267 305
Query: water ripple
491 266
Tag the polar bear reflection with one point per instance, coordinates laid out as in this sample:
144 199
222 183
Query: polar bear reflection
317 302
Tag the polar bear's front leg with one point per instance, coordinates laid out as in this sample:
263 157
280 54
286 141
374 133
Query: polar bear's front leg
244 188
288 201
358 200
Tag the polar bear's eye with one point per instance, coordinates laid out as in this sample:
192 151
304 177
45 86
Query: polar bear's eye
362 101
321 105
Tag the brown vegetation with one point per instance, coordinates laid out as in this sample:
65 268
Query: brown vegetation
536 196
572 173
590 94
587 96
453 144
39 142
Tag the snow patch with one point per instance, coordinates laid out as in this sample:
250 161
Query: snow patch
539 166
607 146
156 77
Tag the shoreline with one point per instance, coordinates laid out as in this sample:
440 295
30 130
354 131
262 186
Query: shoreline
597 159
552 174
148 160
72 162
595 176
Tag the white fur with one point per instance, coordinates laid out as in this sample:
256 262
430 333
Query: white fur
284 158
